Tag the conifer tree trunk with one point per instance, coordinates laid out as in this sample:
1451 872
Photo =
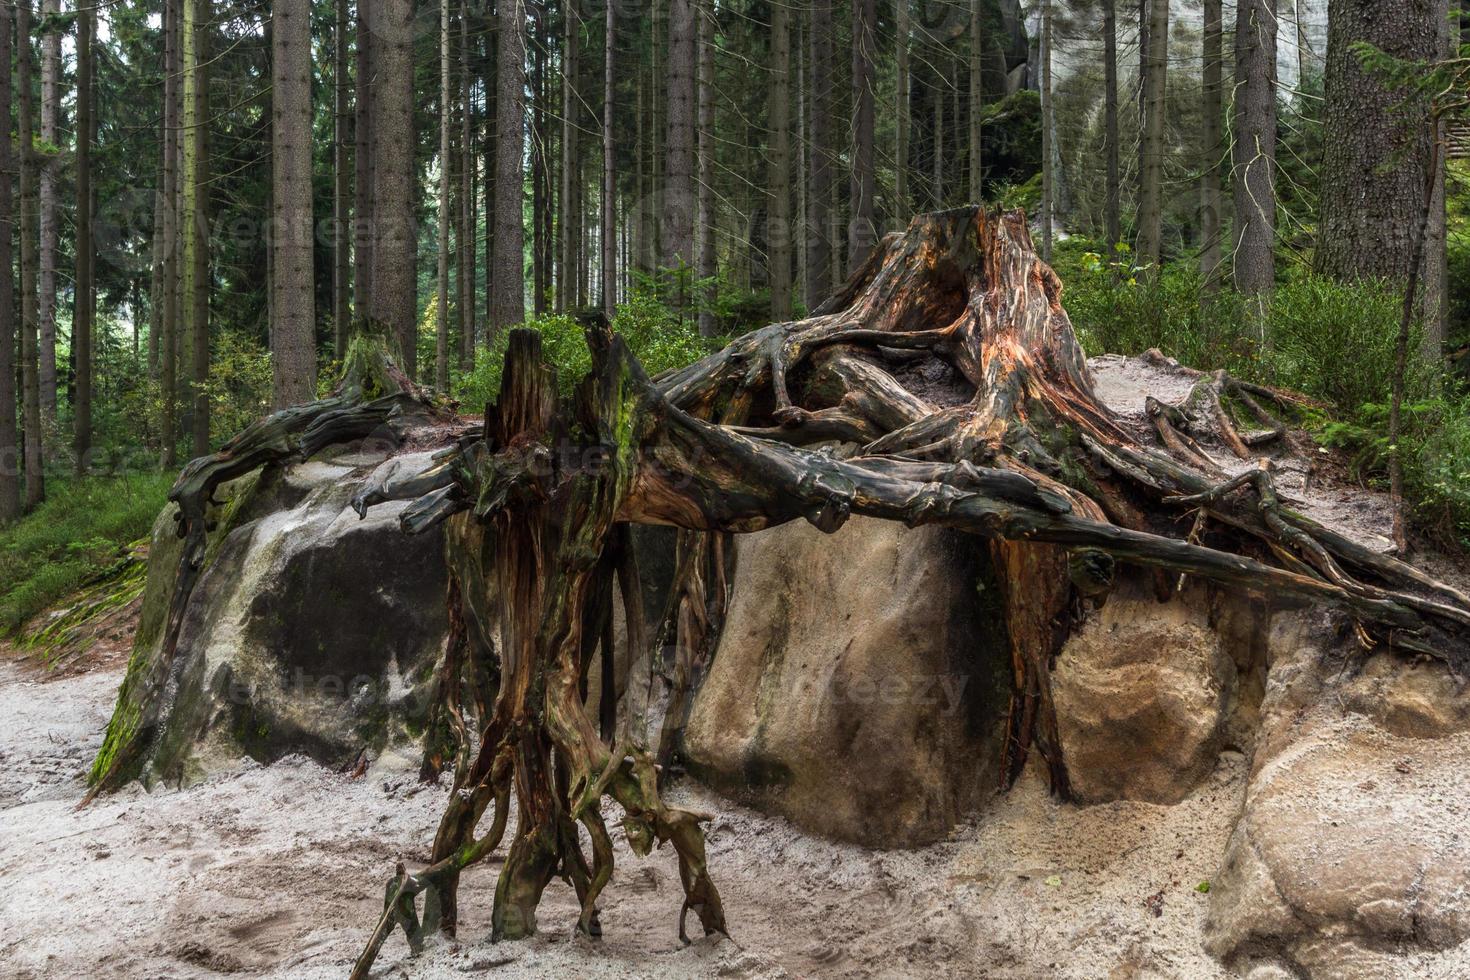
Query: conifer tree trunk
293 292
341 186
1151 153
441 320
467 229
1048 169
778 223
29 361
50 228
977 99
819 178
9 434
194 336
392 289
571 115
1255 147
705 225
608 230
540 165
84 310
1375 150
507 272
362 164
676 230
903 79
168 345
936 155
1210 148
1112 189
862 233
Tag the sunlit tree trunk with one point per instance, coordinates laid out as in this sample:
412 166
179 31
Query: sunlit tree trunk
608 230
194 338
341 185
393 287
1112 189
441 319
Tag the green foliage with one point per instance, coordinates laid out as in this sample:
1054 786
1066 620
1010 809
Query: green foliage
80 530
658 335
1329 340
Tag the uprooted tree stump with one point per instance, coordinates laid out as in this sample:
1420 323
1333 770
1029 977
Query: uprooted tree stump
1028 459
1033 463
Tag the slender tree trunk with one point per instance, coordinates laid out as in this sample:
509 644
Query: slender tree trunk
977 99
862 232
607 233
341 186
1151 172
677 228
84 310
778 223
362 163
441 319
936 157
508 302
1301 50
468 222
196 101
903 80
1210 145
1255 148
1375 150
571 116
9 434
540 165
1048 169
50 228
1112 189
820 176
29 361
393 288
168 346
293 293
705 242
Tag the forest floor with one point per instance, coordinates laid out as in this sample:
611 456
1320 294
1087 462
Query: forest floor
278 871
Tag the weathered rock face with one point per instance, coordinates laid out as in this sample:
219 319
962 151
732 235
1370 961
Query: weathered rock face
859 682
1352 850
308 631
1146 692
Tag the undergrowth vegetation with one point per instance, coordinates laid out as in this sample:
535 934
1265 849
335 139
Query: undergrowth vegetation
80 532
1331 341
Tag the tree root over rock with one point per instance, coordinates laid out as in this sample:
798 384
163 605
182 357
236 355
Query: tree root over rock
1031 461
1014 447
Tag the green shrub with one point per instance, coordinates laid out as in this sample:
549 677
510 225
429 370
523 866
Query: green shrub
656 334
76 533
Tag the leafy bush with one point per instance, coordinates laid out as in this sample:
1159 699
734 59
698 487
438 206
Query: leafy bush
656 334
75 534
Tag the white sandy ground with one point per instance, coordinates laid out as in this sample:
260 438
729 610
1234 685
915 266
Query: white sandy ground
278 872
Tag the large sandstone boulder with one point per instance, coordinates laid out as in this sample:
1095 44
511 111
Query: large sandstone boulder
1352 852
309 630
859 682
1146 693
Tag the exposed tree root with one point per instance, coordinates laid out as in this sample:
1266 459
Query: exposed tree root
1012 446
1026 457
